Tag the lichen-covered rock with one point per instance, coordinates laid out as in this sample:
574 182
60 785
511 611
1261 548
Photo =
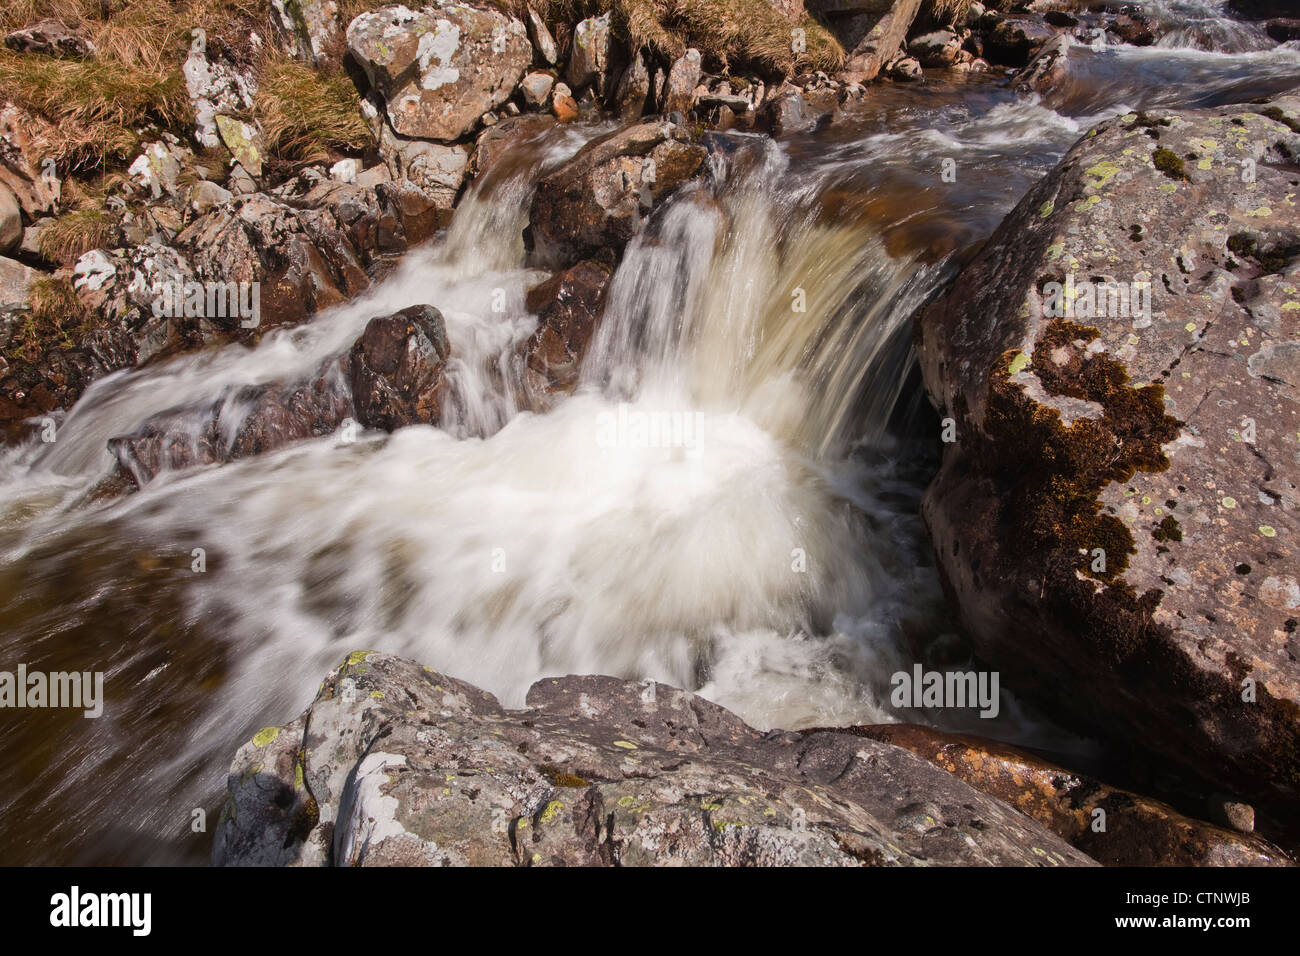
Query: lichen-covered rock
939 48
36 186
216 86
1113 826
11 221
395 764
541 36
589 52
398 369
308 29
596 201
1116 519
633 90
435 169
440 69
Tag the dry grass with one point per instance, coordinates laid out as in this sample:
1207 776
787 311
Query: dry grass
732 34
306 113
71 235
55 313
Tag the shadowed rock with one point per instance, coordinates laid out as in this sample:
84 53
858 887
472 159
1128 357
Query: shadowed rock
397 369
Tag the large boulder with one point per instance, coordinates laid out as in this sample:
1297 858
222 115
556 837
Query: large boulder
440 69
1113 826
589 52
594 203
308 29
395 764
1116 520
398 369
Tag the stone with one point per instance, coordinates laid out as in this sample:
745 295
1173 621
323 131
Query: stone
1015 40
244 142
11 221
536 88
397 369
436 169
206 196
346 170
595 202
873 39
15 280
1122 489
568 308
563 105
633 90
440 69
906 69
538 32
938 49
1132 830
215 87
396 764
51 38
37 187
307 29
589 52
678 94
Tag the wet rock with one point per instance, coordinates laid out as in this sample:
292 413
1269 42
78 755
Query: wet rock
568 308
678 93
789 111
595 202
906 69
1132 28
633 90
536 88
1015 40
395 764
1129 830
499 141
938 49
875 38
589 52
51 38
308 29
1122 484
245 421
1048 73
440 69
1261 9
540 34
11 221
397 369
1284 30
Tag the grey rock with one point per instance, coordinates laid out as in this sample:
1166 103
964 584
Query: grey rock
395 764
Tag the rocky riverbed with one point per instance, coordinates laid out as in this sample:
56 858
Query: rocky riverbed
652 389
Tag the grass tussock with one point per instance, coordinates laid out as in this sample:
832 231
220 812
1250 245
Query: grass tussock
70 236
305 113
56 312
731 34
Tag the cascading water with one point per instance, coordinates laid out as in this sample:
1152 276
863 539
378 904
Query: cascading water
720 505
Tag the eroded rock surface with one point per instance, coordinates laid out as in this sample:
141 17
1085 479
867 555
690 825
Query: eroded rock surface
395 764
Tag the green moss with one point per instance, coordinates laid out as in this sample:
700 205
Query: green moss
1276 114
1169 163
1168 530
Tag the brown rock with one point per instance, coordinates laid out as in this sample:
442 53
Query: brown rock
874 38
595 202
568 307
397 369
1131 830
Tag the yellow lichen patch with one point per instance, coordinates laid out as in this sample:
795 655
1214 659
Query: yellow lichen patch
265 736
625 744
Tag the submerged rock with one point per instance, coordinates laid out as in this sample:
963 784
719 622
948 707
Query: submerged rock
395 764
1117 518
441 68
596 201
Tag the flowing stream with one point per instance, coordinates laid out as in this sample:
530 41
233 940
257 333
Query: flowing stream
728 502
